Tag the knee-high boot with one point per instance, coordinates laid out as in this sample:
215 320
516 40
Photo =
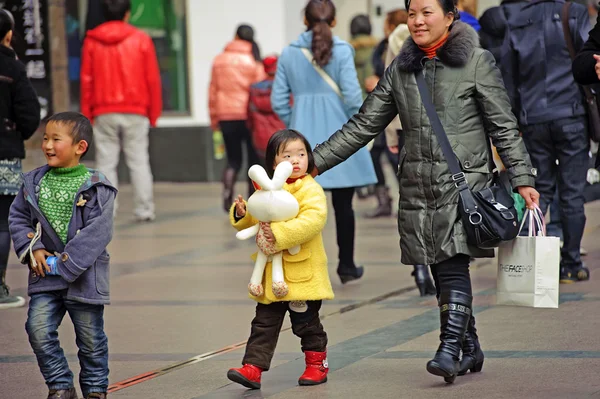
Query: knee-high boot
472 355
455 311
229 176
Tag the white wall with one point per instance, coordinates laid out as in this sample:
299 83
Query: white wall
212 24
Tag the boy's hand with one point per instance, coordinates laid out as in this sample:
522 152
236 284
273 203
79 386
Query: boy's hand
240 207
42 267
268 232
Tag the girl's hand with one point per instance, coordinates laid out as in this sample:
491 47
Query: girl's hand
530 195
240 207
268 232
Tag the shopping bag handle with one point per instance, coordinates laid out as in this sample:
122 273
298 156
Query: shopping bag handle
536 216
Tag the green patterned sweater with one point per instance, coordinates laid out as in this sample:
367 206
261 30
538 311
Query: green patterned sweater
57 196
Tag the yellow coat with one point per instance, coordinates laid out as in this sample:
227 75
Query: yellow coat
305 273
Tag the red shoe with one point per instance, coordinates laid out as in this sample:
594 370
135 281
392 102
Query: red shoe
248 376
316 369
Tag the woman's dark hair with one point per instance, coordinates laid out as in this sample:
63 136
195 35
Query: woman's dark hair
7 23
277 143
360 25
115 10
449 6
319 15
245 32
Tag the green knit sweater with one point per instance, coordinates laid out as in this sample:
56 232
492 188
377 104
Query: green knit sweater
57 196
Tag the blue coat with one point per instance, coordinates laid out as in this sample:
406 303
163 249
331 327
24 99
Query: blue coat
317 111
83 263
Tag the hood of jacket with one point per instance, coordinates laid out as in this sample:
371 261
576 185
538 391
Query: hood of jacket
239 46
363 41
397 38
455 53
112 32
305 41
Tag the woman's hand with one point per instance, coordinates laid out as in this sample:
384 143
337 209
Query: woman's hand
597 58
393 149
240 207
530 195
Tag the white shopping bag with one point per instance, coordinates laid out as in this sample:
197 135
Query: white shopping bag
529 267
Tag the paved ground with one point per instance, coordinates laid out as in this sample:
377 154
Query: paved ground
180 314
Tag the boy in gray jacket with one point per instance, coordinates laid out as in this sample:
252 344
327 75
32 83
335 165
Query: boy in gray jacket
66 210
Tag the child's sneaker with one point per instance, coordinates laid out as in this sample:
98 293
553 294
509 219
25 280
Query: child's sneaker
316 369
298 306
7 301
70 393
248 376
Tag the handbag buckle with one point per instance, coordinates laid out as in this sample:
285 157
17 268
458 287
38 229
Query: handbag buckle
459 179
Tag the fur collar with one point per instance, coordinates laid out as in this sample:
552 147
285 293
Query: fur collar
455 53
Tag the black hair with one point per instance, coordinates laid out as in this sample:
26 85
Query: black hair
448 6
319 15
277 143
81 127
7 23
115 10
246 32
360 25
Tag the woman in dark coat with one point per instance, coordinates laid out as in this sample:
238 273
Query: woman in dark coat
473 106
19 119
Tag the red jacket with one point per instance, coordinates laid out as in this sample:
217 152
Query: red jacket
233 71
119 73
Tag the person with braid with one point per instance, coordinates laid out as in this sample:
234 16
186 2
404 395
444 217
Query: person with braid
318 70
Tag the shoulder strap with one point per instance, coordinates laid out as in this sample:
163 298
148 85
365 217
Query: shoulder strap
457 174
322 72
564 16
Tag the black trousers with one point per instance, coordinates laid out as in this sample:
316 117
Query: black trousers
345 225
237 136
266 326
380 148
565 140
452 275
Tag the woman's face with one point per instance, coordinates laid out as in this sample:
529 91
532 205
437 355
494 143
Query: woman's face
427 23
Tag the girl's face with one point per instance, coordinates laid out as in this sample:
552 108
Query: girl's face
427 22
295 153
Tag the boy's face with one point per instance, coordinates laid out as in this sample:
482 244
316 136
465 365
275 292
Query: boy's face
59 148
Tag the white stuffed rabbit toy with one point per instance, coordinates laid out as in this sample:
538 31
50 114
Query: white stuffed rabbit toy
269 204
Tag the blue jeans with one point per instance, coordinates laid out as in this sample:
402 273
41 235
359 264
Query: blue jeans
46 312
567 141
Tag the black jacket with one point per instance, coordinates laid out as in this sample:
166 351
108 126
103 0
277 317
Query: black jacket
19 106
584 66
543 76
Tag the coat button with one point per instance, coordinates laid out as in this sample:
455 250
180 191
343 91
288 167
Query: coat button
78 230
467 164
30 235
64 257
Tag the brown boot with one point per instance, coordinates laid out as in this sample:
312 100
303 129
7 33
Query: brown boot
229 176
70 393
96 395
384 207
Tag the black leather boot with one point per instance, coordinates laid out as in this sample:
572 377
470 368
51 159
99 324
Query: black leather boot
455 311
472 355
384 203
423 280
229 176
349 273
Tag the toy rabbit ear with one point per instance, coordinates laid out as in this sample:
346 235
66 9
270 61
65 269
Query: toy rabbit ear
282 172
257 174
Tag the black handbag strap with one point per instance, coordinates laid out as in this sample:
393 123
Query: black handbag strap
458 175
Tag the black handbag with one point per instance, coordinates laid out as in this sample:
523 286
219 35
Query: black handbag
489 216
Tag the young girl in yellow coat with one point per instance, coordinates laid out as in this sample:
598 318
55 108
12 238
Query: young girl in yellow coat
305 273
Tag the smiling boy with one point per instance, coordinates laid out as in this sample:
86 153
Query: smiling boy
66 210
